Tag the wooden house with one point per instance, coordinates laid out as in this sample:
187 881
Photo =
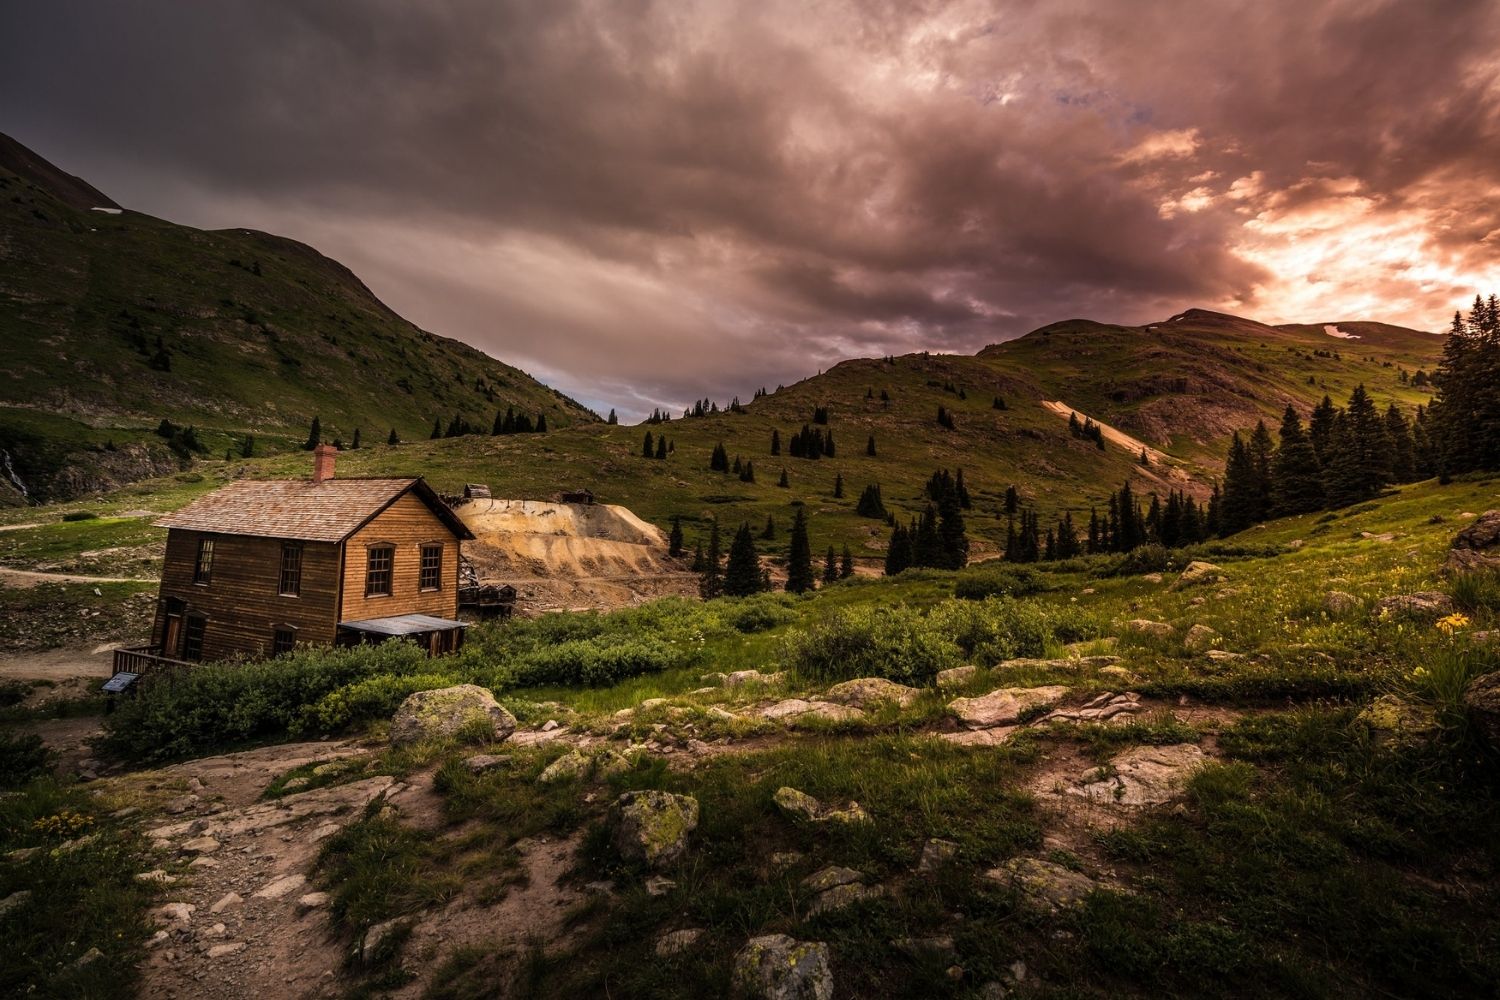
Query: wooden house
257 568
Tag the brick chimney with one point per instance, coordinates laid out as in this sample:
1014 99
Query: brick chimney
323 462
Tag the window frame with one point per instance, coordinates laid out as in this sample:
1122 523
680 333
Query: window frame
295 590
203 562
436 568
389 571
277 631
194 622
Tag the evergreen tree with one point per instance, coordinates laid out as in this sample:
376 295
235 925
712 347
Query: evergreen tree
354 444
1403 449
775 442
1360 464
541 423
799 572
870 446
1296 477
498 427
998 404
719 460
1012 501
830 567
1237 509
437 428
711 584
898 554
846 564
1067 537
247 446
314 435
742 572
1320 429
870 503
747 474
783 482
393 438
661 448
768 533
828 444
612 419
1424 457
699 562
674 540
1260 470
838 486
648 446
926 543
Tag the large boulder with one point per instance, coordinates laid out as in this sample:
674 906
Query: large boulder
1482 700
1393 719
1477 547
1198 572
1339 603
1149 629
1200 639
445 713
1045 884
1428 605
778 967
652 827
1005 706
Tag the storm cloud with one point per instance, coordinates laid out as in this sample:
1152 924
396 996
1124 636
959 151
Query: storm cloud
645 203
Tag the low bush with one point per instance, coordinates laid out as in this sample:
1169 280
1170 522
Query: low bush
1005 581
598 661
22 758
1150 558
758 614
79 515
372 698
894 643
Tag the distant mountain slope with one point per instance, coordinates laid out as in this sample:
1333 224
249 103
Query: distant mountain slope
113 321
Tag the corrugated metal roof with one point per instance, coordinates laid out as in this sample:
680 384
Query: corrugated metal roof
300 509
403 625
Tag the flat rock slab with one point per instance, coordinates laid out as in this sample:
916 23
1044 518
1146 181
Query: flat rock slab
326 801
993 737
1044 883
1003 707
1143 776
868 692
796 710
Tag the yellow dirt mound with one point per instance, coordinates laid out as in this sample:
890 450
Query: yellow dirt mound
535 538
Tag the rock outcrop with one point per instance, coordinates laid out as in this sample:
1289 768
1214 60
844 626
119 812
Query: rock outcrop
652 827
778 967
1005 706
447 713
1482 700
1198 572
1428 605
1477 547
866 693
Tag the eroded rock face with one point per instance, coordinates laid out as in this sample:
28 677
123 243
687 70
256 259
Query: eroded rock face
445 713
1482 699
1477 547
869 692
778 967
1003 707
1428 605
652 827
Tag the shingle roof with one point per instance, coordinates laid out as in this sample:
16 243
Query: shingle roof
302 510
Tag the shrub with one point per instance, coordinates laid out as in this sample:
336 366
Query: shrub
894 643
597 661
80 515
1150 558
372 698
1009 581
22 757
758 614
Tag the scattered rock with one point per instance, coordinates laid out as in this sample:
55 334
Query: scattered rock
1477 547
1106 707
1149 629
92 955
786 859
445 712
676 942
1004 706
1428 605
312 901
1223 656
925 948
296 784
992 737
482 762
175 913
369 946
1199 572
739 678
549 725
659 885
1152 577
935 854
1067 663
801 806
1044 883
221 950
1199 639
226 901
14 901
569 766
844 895
180 805
652 827
957 676
869 692
1482 700
201 845
721 714
1141 776
717 678
1118 673
778 967
831 877
158 876
278 887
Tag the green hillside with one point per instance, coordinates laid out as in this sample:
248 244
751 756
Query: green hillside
113 321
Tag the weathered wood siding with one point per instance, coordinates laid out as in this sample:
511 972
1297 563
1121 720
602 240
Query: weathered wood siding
240 601
407 524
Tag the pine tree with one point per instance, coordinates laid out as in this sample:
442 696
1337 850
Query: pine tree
870 446
661 448
742 572
747 474
1296 477
612 420
1320 429
354 444
393 438
1361 453
719 460
870 503
699 562
711 584
1424 458
314 435
1067 537
1012 501
898 554
828 444
783 482
830 567
768 533
541 423
775 442
648 446
799 572
674 540
498 427
1238 504
1403 452
838 486
846 564
437 428
247 447
1260 448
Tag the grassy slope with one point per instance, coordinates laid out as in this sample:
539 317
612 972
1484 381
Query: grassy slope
81 291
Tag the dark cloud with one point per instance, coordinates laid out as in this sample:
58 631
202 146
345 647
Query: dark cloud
650 201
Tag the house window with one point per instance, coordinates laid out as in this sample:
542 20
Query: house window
284 640
432 567
378 570
192 637
203 568
291 569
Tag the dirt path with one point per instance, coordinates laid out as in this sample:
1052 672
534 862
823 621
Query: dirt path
1111 434
32 578
61 664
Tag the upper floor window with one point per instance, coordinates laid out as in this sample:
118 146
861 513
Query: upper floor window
432 567
378 563
204 567
291 569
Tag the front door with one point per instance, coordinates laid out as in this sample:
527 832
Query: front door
171 642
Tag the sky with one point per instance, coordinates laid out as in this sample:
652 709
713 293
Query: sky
644 203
